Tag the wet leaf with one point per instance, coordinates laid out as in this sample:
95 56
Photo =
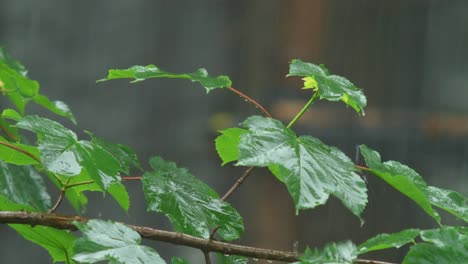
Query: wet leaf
140 73
384 241
333 253
310 169
442 246
448 200
62 153
191 206
23 185
21 90
57 242
329 87
114 242
411 184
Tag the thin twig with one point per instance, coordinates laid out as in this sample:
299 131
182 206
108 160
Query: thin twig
238 183
133 178
25 152
246 97
60 198
66 222
207 257
8 133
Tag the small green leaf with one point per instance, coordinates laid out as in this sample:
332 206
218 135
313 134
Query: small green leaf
310 169
227 144
191 206
111 241
400 177
384 241
10 155
443 246
23 185
57 242
11 114
231 259
141 73
333 253
176 260
329 87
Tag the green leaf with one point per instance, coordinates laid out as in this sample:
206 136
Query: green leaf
384 241
57 107
111 241
329 87
8 129
62 153
191 206
126 157
176 260
10 62
333 253
141 73
57 242
400 177
231 259
11 114
443 246
20 89
310 169
23 185
227 145
7 205
450 201
10 155
411 184
77 197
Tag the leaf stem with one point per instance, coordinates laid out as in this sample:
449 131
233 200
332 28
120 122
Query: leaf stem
27 153
362 167
303 110
79 183
255 103
132 178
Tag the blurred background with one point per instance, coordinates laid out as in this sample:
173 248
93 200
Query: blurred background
410 57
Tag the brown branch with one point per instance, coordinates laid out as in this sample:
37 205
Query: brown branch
25 152
206 245
66 222
246 97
